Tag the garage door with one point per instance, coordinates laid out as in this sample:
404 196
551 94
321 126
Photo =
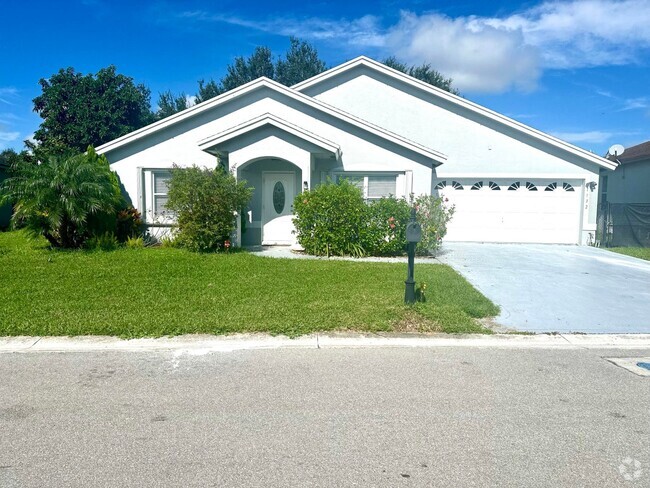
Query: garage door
499 210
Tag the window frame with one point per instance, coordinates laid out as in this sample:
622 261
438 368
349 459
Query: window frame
365 177
156 195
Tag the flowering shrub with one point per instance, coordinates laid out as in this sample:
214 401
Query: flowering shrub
433 213
385 230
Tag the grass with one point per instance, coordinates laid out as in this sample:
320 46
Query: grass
637 252
166 291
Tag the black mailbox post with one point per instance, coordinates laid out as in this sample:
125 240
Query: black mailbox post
413 236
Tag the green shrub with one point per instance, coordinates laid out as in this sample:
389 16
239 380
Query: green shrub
333 219
65 199
103 242
134 242
129 224
168 241
330 219
433 214
385 232
204 202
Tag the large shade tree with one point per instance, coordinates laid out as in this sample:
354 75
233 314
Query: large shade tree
80 110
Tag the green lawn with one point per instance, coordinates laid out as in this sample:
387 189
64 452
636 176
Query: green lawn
164 291
637 252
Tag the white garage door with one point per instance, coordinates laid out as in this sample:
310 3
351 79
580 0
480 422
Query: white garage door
499 210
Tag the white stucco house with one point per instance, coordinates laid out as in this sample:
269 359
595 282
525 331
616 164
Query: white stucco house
388 131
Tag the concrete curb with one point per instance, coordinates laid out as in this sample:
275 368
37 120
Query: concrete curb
203 344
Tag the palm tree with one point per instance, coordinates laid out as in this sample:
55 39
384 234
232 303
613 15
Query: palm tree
59 198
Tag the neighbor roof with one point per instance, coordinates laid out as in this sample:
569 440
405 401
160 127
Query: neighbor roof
455 99
257 84
634 154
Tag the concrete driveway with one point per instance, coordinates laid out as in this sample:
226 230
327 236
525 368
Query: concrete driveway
548 288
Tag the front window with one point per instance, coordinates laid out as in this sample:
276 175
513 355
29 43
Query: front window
160 190
373 187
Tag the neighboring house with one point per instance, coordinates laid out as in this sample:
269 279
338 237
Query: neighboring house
392 134
624 212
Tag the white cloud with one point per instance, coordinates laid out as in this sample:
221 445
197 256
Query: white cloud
494 54
190 100
485 54
7 137
7 94
363 31
593 136
583 33
635 104
484 59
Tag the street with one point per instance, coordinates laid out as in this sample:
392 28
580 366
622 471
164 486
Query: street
393 416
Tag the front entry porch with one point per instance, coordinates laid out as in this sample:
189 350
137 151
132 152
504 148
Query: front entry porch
268 219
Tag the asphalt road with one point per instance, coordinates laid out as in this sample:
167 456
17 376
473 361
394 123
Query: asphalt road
444 417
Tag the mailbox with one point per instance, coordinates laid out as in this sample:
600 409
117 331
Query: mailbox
413 236
413 232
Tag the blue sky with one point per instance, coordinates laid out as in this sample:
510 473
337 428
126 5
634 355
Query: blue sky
578 69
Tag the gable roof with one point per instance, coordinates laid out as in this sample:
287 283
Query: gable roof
633 154
436 156
457 100
269 120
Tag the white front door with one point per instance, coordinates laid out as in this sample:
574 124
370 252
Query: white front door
278 192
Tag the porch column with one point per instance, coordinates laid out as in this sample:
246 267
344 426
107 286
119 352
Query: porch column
305 165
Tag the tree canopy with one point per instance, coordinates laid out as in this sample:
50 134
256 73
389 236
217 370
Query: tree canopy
424 72
169 104
81 110
300 62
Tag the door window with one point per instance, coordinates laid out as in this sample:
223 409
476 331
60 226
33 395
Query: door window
279 197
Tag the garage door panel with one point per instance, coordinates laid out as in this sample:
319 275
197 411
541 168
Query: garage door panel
519 215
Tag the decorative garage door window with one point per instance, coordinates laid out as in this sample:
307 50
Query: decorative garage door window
279 197
454 184
565 186
491 185
515 186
